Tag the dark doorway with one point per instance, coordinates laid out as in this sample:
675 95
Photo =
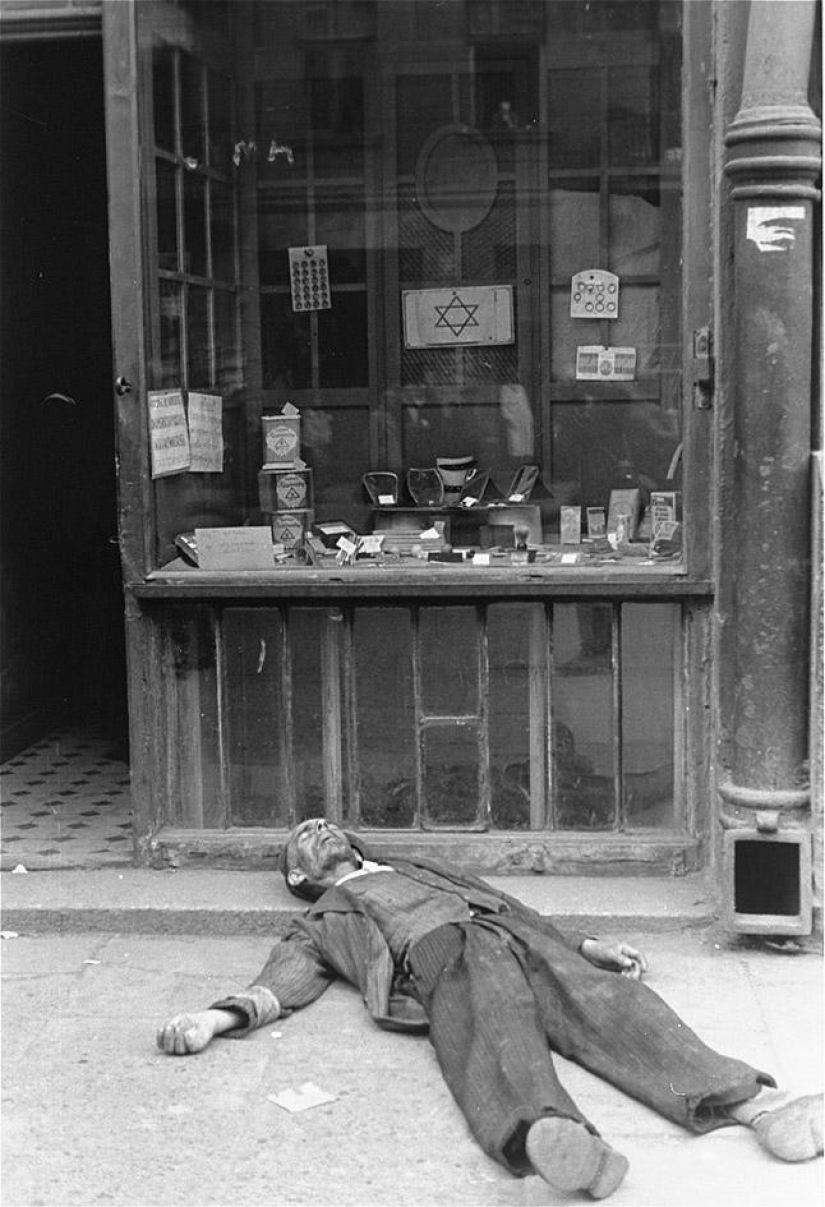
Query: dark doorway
62 659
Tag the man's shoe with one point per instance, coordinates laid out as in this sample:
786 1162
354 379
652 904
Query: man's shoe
569 1157
792 1132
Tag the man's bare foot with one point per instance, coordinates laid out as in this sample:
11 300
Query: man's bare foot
569 1157
187 1033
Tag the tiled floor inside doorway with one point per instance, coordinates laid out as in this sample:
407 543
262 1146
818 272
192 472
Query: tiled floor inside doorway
66 803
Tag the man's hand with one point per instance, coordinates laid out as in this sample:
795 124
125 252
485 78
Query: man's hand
616 957
188 1033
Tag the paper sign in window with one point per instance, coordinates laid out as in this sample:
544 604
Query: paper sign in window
461 317
206 433
168 433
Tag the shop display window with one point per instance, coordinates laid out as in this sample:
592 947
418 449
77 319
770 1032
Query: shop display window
431 232
507 717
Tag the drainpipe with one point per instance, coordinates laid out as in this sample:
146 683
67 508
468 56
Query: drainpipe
773 165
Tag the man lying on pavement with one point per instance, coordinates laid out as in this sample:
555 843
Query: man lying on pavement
499 989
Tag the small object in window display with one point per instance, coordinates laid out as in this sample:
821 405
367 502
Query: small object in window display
594 294
188 546
475 490
289 528
596 363
284 490
596 523
426 487
667 540
330 532
238 547
382 488
627 503
523 484
309 275
455 473
571 525
665 507
282 438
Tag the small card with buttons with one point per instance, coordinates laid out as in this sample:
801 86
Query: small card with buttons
309 276
594 294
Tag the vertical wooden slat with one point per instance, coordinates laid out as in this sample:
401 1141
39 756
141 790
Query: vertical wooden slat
331 719
188 780
551 810
221 704
418 714
616 688
285 720
484 812
539 714
352 810
680 662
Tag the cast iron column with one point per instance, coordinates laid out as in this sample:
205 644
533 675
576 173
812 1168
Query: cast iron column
773 165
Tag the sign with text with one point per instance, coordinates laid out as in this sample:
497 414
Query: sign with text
168 433
235 548
206 433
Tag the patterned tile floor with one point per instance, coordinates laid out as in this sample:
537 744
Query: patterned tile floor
65 804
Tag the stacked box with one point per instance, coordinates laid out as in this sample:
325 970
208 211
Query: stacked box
290 527
285 490
282 440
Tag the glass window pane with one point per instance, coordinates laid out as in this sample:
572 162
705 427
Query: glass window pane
627 445
448 643
229 363
574 122
286 344
583 717
198 342
335 442
192 132
649 657
163 96
632 118
575 237
220 126
257 739
194 224
517 648
223 231
342 341
385 716
166 214
635 227
452 775
171 367
281 225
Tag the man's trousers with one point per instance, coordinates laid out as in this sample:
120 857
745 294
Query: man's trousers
502 995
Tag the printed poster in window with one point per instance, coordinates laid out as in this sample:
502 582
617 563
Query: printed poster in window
206 433
168 433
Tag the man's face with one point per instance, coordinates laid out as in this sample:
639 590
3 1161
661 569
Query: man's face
316 847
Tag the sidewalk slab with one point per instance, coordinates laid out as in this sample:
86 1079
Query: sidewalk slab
215 901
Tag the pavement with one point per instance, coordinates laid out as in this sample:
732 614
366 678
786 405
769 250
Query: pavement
94 1114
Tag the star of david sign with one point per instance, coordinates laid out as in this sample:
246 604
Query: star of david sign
463 316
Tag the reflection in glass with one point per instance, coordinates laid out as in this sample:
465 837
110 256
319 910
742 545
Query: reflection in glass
191 105
228 362
583 719
166 215
163 96
171 369
257 737
448 642
222 231
517 653
451 772
649 655
194 224
385 716
286 344
197 326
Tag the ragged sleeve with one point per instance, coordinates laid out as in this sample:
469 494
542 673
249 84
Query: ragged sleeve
294 975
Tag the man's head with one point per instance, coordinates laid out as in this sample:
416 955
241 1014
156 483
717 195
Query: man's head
314 856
